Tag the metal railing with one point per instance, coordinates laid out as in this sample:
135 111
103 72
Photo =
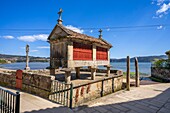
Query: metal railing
61 93
9 101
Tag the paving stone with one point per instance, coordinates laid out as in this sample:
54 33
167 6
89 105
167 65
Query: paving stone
153 107
153 104
131 111
108 107
81 111
164 110
146 108
114 110
160 101
133 108
120 107
110 112
89 110
168 100
96 112
157 102
101 109
142 102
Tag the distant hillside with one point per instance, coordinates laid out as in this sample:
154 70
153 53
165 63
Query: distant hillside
17 58
140 59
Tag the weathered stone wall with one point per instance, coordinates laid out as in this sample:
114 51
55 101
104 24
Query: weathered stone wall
32 83
93 90
8 79
161 73
37 84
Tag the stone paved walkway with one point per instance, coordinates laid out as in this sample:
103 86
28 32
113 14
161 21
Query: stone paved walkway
153 98
34 104
145 99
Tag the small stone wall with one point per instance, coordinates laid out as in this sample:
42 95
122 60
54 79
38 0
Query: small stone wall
8 80
96 89
161 73
32 83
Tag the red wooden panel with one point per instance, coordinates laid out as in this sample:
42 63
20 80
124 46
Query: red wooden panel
82 51
19 79
101 53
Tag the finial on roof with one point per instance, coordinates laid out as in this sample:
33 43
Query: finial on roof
59 13
100 31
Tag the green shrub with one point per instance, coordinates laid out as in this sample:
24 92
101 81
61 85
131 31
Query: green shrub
2 61
162 63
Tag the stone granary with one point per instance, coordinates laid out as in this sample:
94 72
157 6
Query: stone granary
71 50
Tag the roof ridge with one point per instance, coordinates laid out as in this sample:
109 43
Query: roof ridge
80 35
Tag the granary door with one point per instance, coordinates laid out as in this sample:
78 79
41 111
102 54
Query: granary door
101 53
82 51
19 79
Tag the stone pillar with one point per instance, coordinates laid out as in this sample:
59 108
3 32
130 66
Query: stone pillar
68 76
108 56
27 58
128 74
77 72
93 73
108 71
94 52
137 73
51 54
69 54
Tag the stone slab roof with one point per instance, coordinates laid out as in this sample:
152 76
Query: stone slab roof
74 35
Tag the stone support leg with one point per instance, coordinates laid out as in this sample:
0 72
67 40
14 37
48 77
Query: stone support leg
52 71
67 76
108 71
93 73
77 72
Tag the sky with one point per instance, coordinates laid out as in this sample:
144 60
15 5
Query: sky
133 27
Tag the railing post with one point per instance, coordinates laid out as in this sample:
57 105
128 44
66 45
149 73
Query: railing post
136 73
17 107
112 85
102 88
128 74
71 95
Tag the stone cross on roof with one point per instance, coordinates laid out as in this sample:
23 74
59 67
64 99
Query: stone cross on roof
100 31
59 13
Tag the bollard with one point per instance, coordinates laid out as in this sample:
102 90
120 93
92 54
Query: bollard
137 73
128 74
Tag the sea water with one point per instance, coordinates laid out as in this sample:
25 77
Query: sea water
144 67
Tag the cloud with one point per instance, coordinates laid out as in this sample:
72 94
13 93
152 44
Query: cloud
91 31
33 50
43 47
159 2
22 47
78 30
163 9
160 27
33 38
8 37
108 29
